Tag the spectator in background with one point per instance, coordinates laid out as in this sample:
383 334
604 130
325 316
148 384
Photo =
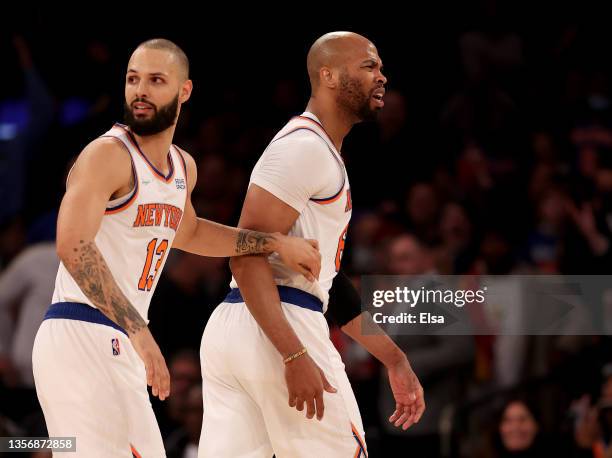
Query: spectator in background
26 287
547 169
588 246
474 172
455 252
183 443
422 209
500 358
19 137
491 57
442 361
392 120
184 298
185 374
518 430
495 255
12 240
492 51
215 194
364 235
367 232
593 425
544 242
408 256
21 130
87 103
517 435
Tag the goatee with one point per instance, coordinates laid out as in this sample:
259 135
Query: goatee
162 118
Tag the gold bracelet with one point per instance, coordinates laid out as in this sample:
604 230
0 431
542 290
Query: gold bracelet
295 355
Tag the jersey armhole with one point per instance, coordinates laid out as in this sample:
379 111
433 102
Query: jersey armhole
336 196
126 200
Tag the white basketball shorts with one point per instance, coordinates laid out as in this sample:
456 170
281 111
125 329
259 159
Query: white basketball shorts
92 385
246 411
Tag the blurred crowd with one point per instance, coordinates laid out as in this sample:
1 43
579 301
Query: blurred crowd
509 172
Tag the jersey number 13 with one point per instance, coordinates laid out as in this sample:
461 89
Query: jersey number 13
153 249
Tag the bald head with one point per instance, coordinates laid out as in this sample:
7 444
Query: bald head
334 50
178 55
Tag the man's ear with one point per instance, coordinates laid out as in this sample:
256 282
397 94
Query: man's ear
185 92
328 77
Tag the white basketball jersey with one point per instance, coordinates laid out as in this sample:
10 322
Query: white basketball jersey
325 217
137 230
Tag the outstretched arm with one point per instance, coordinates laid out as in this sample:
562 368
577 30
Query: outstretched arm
102 169
207 238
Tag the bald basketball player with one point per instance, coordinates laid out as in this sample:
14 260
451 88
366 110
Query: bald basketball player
127 203
266 353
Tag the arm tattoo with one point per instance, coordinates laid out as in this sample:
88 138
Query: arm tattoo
91 273
253 242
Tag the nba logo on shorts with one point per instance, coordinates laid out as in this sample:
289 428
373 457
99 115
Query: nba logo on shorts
115 347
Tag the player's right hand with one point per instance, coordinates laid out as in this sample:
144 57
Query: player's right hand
158 377
306 383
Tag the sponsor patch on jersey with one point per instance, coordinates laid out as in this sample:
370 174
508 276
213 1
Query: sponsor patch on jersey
180 183
116 350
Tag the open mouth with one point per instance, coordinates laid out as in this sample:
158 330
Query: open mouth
141 108
378 98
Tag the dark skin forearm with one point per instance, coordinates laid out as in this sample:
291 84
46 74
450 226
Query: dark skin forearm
90 271
254 277
375 341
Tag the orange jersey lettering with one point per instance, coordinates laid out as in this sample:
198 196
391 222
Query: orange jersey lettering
157 215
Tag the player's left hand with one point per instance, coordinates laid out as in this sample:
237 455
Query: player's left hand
300 255
408 394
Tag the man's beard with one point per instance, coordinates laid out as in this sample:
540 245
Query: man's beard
162 118
353 98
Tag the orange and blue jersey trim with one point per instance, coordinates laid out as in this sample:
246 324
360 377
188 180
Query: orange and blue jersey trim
329 200
132 198
157 173
135 453
361 450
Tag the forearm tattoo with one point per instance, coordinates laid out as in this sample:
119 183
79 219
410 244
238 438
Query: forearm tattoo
253 242
91 273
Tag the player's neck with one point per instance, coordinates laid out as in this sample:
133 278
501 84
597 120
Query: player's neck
156 147
335 123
